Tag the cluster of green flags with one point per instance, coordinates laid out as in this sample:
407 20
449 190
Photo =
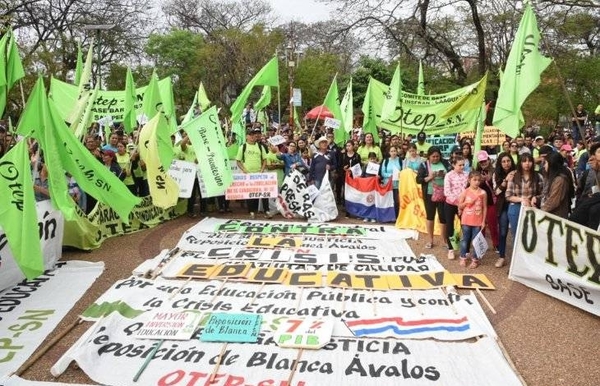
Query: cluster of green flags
63 151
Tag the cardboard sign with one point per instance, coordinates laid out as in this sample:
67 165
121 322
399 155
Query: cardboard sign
172 325
239 328
252 185
183 173
307 333
333 123
356 171
480 245
276 140
372 168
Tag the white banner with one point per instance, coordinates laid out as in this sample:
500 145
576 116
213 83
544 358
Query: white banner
252 185
559 258
18 381
183 173
32 309
110 355
50 230
333 123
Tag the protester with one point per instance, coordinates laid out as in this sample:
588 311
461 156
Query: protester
504 173
391 166
109 160
40 183
112 143
430 176
124 160
524 190
321 162
367 147
484 166
372 159
467 155
578 122
422 146
587 208
514 152
274 164
412 160
251 159
565 152
455 182
291 160
559 188
472 206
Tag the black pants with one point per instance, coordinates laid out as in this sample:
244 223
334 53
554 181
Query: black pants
450 213
587 212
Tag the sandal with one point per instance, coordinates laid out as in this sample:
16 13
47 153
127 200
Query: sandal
428 246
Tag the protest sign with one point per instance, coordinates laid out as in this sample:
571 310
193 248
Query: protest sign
356 171
252 185
332 122
276 140
28 314
231 327
557 257
492 136
480 245
184 174
167 324
308 333
444 142
372 168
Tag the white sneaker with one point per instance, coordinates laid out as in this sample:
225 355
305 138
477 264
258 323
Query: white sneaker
252 216
373 220
365 220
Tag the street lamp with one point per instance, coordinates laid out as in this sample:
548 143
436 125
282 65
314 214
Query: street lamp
98 28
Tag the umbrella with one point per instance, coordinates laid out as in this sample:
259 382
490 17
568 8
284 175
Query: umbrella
321 112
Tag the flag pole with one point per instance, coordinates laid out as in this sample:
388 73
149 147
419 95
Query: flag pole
22 93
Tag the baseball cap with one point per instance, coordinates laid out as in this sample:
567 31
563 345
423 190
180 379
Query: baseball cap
566 147
482 155
539 137
421 135
255 130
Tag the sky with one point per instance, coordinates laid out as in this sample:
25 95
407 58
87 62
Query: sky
300 10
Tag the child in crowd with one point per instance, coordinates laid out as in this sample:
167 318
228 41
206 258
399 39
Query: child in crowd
372 160
472 206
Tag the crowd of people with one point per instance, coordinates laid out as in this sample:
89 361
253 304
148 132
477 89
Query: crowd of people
484 191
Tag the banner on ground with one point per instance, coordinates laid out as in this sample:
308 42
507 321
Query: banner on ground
109 354
89 231
252 186
366 198
559 258
31 310
50 231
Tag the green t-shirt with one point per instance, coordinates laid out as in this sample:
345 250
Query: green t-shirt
272 159
252 160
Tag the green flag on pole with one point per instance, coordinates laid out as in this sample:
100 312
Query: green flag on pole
191 111
203 100
10 65
264 100
79 65
129 117
18 215
207 140
522 73
152 102
332 102
471 99
267 76
347 109
421 84
368 110
393 96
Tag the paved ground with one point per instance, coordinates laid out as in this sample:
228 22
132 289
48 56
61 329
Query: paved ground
550 342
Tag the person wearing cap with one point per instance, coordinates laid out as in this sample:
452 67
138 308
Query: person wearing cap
484 166
422 146
251 159
321 162
566 151
587 208
535 151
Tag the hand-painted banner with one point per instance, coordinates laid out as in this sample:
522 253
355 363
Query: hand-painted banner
412 208
379 232
295 200
50 230
492 136
559 258
203 193
184 174
110 355
252 185
18 381
89 231
28 313
133 296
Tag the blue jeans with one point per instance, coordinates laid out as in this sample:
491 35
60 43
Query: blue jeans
468 234
503 230
513 218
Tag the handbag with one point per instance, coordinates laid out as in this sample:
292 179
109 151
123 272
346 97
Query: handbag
438 191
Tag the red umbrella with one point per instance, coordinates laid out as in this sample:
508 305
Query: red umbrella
321 112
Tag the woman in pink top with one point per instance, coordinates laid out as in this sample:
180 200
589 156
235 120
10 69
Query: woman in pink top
455 183
472 205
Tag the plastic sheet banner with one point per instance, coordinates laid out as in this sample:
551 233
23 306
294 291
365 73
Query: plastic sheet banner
50 231
559 258
252 186
89 231
109 355
32 309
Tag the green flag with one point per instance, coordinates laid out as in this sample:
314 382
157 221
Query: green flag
479 132
10 66
522 73
393 96
332 102
83 117
18 215
203 100
83 90
34 122
421 84
191 111
267 76
264 100
129 117
79 65
152 102
296 118
368 110
470 100
347 109
209 144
